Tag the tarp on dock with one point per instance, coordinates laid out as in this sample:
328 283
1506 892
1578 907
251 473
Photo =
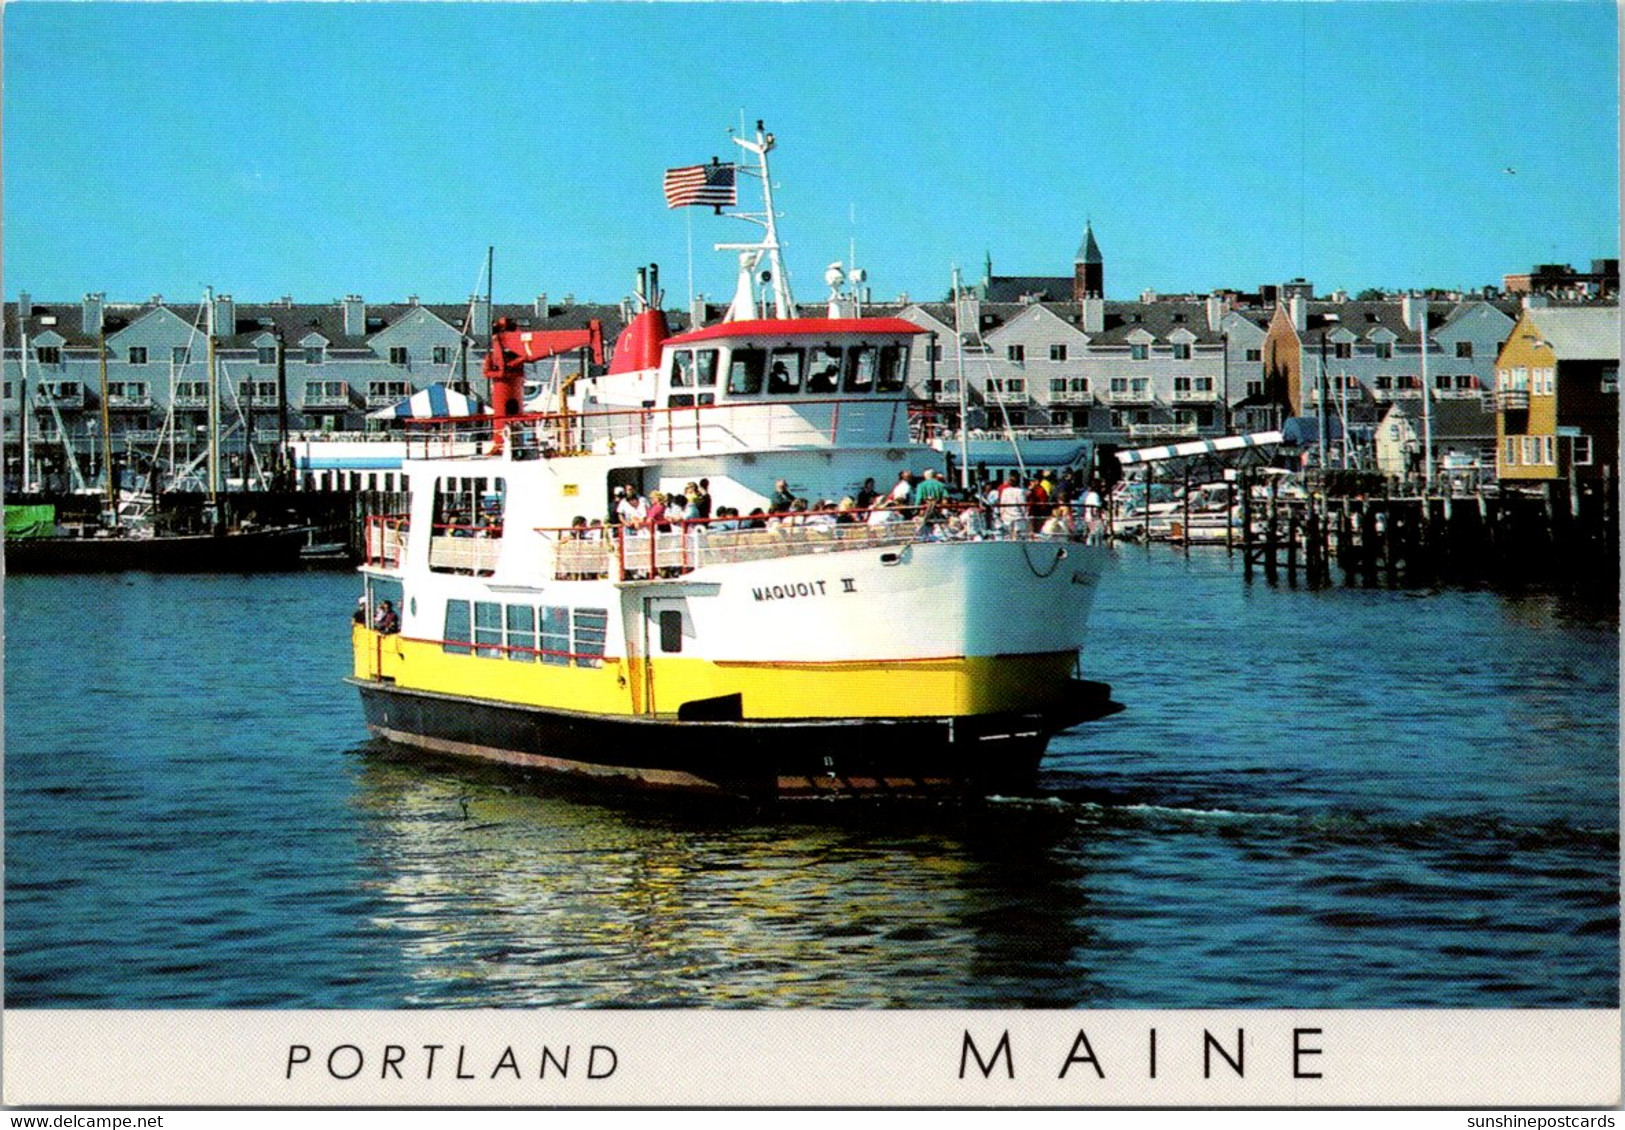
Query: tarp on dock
30 521
1305 430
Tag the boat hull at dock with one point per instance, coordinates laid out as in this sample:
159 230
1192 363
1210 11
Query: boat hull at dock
252 551
759 760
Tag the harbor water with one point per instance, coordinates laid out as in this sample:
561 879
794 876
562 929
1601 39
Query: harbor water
1339 798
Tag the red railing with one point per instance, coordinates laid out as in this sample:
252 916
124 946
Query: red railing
386 540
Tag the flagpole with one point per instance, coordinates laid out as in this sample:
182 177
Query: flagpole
689 216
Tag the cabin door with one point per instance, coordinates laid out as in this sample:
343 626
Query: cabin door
666 631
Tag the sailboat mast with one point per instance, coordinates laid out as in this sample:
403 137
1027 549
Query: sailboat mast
959 358
214 403
22 396
107 432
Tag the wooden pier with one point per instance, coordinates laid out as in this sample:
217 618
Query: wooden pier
1418 540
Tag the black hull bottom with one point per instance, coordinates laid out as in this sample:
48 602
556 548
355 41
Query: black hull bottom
866 757
257 551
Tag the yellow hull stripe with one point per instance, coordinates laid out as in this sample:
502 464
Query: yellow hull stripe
920 688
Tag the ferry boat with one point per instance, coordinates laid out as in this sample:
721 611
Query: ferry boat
770 655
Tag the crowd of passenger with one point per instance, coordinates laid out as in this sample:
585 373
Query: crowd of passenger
1044 504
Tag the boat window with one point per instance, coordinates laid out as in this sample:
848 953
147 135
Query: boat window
745 371
555 638
671 631
454 640
591 629
488 628
708 398
860 368
522 633
784 374
705 367
893 368
682 368
680 400
468 507
823 368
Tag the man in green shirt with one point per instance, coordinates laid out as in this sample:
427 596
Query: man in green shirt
929 495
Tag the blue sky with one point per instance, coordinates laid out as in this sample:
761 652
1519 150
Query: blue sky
324 149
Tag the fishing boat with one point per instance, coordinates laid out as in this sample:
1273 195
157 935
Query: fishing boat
70 548
760 651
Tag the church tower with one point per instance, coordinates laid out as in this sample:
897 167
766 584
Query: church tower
1088 269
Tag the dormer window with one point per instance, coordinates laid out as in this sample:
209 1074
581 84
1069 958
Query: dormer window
1182 351
48 355
1385 350
314 355
1342 349
1138 351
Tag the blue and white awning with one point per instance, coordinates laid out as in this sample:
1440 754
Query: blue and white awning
1198 447
435 402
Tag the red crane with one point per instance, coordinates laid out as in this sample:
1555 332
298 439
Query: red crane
513 348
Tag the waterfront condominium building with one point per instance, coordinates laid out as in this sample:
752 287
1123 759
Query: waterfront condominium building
307 367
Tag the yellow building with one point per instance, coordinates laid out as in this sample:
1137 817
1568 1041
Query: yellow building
1557 395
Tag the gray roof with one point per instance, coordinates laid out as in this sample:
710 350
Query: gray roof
1456 417
301 319
1579 333
1013 288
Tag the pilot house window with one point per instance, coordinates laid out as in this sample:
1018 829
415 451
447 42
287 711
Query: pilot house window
860 368
893 368
784 373
823 369
745 372
705 368
682 369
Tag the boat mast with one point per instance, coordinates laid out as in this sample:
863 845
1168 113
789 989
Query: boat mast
959 358
22 394
107 433
752 253
1427 397
214 403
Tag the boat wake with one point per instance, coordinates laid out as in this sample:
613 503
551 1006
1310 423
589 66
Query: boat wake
1476 833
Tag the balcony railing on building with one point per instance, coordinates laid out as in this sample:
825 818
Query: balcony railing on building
1180 429
45 395
1512 399
329 399
1195 396
1131 396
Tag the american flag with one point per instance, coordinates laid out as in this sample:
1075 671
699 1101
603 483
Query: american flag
711 184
